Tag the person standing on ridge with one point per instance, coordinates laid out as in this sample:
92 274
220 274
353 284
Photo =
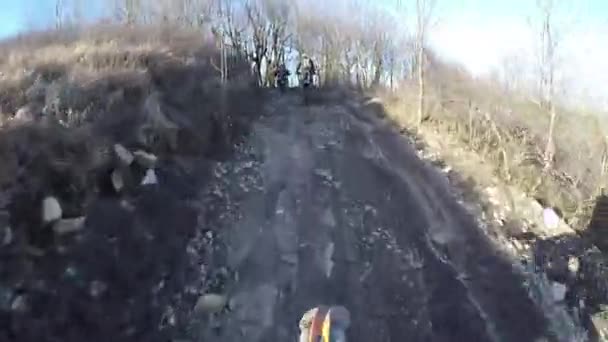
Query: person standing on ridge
306 70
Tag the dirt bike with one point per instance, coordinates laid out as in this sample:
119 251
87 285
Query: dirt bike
324 324
283 80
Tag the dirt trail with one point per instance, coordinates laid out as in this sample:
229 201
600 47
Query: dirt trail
329 204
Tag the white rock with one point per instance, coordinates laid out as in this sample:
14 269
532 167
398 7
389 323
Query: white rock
123 154
574 264
145 159
550 218
559 291
150 178
210 303
373 100
24 114
67 226
51 209
117 181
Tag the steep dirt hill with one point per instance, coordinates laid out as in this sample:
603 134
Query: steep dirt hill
118 131
196 211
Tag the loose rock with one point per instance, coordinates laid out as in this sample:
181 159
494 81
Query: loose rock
145 159
550 218
123 154
150 178
67 226
51 209
574 264
24 114
117 180
210 303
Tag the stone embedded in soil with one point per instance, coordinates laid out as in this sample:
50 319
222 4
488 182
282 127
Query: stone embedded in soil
574 264
51 209
559 291
210 303
24 114
123 154
169 317
150 178
145 159
67 226
117 180
550 218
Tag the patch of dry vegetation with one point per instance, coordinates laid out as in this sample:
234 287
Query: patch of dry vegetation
148 86
510 133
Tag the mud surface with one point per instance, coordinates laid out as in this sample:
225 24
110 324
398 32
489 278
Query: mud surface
318 204
329 204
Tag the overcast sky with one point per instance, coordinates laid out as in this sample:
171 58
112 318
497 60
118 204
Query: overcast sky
476 33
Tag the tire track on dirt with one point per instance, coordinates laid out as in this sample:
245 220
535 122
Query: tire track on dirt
350 216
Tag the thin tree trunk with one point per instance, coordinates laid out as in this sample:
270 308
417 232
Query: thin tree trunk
420 86
58 14
550 148
470 122
550 59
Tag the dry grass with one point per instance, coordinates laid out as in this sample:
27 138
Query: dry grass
510 134
83 58
149 88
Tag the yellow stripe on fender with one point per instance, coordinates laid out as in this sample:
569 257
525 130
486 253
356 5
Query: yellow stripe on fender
326 330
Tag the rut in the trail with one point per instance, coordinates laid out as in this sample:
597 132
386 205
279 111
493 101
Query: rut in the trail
329 205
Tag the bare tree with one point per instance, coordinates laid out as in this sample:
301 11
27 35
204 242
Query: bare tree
260 35
511 73
424 12
230 27
127 11
549 42
59 7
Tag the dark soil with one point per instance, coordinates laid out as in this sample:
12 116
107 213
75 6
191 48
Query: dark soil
118 278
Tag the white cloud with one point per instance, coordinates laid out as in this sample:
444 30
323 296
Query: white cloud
479 46
482 45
